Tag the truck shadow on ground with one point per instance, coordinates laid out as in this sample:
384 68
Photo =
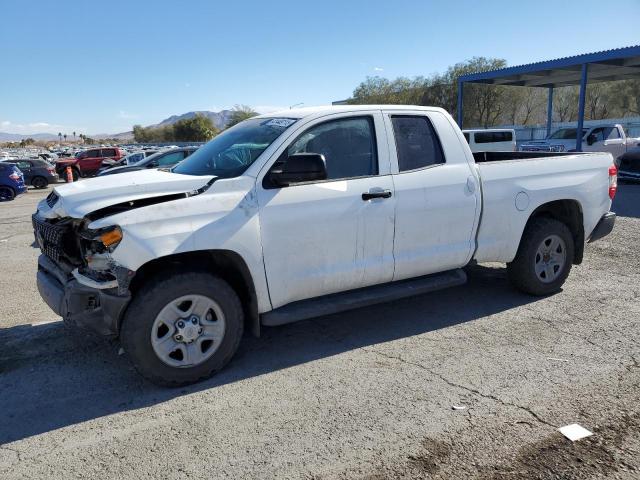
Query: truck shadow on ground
51 378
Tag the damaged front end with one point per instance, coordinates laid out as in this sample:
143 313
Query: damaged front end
77 277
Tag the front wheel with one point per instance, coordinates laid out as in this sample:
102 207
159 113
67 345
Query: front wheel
182 328
544 257
39 182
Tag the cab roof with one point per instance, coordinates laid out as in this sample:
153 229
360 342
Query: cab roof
327 109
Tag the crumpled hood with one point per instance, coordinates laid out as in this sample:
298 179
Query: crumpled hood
77 199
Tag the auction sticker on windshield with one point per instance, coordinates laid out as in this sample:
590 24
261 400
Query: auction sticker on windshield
280 122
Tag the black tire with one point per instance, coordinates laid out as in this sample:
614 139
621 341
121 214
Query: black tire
135 333
522 272
39 182
7 194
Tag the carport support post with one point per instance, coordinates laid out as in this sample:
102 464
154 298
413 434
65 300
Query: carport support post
549 111
460 100
583 92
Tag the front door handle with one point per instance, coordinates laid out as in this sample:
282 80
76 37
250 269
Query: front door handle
381 194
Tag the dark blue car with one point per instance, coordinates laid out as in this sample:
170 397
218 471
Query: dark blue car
11 182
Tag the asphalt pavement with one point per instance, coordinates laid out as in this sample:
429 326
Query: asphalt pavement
470 382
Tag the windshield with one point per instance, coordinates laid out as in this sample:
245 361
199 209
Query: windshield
566 134
234 150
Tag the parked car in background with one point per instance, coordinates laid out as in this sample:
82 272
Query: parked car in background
601 138
163 159
49 157
304 213
37 172
130 159
11 182
491 140
629 165
88 162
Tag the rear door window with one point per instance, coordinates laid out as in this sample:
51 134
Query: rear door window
417 143
493 137
170 159
611 133
23 165
108 152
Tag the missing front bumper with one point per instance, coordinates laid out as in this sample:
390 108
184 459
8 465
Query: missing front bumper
79 305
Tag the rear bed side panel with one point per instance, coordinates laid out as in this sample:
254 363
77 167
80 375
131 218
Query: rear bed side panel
583 178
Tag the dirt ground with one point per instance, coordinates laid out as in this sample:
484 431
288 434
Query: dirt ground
367 394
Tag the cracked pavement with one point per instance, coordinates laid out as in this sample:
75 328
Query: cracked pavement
362 394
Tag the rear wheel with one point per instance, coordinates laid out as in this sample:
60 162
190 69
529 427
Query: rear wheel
39 182
7 194
544 257
182 328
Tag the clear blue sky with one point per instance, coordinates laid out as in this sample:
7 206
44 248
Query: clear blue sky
99 67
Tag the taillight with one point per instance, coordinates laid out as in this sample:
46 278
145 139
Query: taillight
613 181
14 176
51 170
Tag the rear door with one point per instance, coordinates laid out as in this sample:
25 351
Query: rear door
437 195
26 167
613 141
325 237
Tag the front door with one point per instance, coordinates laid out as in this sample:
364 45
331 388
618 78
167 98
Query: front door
325 237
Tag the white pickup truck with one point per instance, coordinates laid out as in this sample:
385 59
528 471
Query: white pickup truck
600 138
303 213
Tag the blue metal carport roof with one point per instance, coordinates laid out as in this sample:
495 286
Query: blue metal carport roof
608 65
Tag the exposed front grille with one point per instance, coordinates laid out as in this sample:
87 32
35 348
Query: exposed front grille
52 198
49 238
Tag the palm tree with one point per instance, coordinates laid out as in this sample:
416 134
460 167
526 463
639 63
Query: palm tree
59 137
65 137
74 136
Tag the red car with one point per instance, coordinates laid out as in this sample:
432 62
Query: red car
88 162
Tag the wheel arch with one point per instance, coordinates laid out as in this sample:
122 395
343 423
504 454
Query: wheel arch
569 212
226 264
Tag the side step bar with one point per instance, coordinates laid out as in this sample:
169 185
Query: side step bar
362 297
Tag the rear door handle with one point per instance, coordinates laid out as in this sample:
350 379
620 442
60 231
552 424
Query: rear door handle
381 194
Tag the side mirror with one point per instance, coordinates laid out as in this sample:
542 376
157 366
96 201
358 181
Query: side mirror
591 139
298 168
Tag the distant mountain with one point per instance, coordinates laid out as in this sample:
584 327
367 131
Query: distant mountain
16 137
124 136
219 119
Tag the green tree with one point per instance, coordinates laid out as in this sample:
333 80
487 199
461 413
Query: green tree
240 113
196 129
140 134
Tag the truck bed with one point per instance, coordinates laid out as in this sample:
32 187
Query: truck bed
511 191
481 157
